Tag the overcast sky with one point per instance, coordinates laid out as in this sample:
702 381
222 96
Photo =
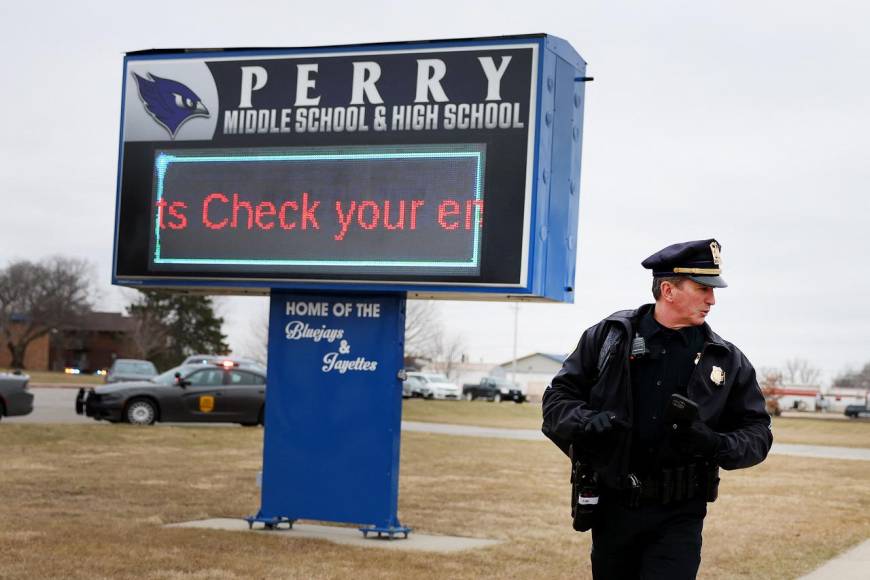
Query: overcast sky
743 121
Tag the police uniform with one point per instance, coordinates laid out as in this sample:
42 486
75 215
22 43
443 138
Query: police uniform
610 400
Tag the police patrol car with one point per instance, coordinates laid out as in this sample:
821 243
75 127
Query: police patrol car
225 392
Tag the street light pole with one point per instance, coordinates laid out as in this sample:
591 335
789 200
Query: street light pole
516 308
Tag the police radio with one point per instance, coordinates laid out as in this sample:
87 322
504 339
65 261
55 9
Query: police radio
681 411
638 348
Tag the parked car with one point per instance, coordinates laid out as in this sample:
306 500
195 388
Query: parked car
415 386
435 386
15 398
494 389
228 392
130 369
855 411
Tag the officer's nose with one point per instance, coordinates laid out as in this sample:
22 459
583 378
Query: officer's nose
711 297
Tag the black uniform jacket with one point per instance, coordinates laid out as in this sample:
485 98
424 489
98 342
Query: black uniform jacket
595 377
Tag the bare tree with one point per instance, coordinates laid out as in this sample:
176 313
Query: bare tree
798 371
854 379
770 375
446 353
150 336
38 297
426 338
810 376
422 327
771 380
257 347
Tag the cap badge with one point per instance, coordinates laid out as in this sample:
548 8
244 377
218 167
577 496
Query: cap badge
717 255
717 375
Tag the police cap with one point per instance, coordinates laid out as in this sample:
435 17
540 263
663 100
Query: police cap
700 260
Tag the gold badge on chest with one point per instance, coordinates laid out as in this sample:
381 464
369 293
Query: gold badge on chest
717 375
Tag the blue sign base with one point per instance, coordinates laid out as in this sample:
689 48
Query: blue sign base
334 410
389 532
269 523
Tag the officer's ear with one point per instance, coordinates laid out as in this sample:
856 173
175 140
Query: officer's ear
669 286
667 290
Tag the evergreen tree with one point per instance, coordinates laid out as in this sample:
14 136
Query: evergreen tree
174 326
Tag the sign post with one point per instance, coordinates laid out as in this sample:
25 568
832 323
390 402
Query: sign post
334 410
339 181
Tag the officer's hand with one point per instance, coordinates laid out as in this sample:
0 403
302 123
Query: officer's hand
697 439
604 422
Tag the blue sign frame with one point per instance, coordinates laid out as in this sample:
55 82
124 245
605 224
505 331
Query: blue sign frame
545 263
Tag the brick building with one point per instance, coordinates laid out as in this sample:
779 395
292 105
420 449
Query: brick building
90 344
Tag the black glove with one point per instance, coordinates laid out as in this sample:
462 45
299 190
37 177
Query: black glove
604 422
697 439
597 435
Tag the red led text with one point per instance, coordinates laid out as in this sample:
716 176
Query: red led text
218 212
174 212
221 211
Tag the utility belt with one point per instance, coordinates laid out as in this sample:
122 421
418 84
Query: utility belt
668 486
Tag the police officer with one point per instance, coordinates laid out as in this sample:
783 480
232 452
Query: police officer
612 400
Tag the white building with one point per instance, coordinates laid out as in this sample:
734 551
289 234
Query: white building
839 398
533 371
798 397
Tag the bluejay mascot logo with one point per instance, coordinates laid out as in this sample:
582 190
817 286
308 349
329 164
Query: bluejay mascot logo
169 102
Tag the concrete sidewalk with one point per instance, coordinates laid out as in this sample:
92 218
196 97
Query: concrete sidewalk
821 452
349 536
853 564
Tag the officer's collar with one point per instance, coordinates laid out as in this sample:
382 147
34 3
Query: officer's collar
634 318
713 338
648 327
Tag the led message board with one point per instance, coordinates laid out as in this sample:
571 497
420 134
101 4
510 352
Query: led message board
437 168
303 209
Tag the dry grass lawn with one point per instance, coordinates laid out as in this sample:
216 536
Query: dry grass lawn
507 415
845 433
806 430
88 502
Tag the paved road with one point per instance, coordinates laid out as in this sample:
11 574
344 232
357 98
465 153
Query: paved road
52 406
57 405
